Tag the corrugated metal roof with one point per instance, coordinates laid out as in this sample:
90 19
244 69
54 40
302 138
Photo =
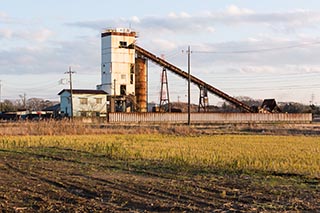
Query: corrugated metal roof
270 105
84 91
55 107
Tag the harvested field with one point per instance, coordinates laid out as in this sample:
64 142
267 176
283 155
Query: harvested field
159 173
40 183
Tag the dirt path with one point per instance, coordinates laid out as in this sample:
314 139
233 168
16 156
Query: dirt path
72 181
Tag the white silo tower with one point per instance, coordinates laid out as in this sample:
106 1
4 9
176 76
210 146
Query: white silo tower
117 62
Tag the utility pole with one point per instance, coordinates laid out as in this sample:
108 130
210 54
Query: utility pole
70 72
24 100
189 79
0 97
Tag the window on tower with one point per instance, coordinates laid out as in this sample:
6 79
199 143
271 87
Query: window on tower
123 44
123 89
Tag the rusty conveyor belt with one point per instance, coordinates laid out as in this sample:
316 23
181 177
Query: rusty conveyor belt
195 80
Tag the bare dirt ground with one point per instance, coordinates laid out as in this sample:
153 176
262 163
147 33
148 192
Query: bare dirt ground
60 180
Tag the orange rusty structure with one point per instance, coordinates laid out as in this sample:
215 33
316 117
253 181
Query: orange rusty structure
144 53
141 84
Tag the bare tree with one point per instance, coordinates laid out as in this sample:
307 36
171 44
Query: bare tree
37 104
8 106
23 101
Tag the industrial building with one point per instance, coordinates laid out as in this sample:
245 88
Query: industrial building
124 88
123 75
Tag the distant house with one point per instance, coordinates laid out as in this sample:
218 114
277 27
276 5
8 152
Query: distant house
53 111
85 103
269 105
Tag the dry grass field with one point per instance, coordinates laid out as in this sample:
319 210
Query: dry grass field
71 166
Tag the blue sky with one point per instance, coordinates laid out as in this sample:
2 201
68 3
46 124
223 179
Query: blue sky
246 48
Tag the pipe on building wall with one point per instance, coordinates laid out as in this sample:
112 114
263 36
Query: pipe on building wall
141 84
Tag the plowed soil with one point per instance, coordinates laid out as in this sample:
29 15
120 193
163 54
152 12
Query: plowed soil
57 180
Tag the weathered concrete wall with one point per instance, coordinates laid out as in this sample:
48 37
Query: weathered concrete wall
209 118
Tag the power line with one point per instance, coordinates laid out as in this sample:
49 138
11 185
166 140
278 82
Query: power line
0 96
285 87
237 78
257 50
32 90
39 86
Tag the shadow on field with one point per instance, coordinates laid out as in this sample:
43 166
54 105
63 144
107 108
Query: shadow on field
65 180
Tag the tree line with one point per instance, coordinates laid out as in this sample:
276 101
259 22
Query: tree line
38 104
31 104
285 107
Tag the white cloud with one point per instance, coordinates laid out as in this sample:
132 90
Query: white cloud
180 15
172 15
135 19
257 69
234 10
37 36
52 58
6 19
170 34
163 45
252 39
42 35
5 33
183 22
2 14
211 29
185 15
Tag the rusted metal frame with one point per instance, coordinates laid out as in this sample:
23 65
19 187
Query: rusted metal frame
202 99
194 80
166 99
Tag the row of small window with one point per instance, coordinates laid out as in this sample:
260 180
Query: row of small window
89 114
84 101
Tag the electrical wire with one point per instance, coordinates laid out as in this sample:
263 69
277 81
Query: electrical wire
256 50
42 88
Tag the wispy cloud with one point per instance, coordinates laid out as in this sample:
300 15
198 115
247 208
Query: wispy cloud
3 17
35 49
53 58
5 33
235 10
207 22
42 35
37 36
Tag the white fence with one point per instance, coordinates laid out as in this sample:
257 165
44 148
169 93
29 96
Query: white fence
209 118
